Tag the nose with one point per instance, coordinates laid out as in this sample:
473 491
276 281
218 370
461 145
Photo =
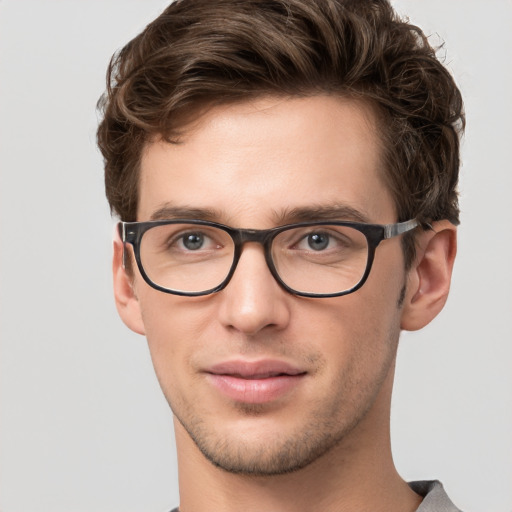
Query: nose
253 300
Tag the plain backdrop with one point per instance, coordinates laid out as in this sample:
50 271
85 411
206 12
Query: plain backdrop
84 426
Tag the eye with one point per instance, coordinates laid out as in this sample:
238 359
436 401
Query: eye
193 241
318 241
323 239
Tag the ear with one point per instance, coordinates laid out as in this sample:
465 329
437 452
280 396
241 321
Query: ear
429 279
127 302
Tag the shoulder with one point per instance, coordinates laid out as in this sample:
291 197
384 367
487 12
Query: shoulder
435 498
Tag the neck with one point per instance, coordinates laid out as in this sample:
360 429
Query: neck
358 474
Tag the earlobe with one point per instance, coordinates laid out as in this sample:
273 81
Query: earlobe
127 302
430 276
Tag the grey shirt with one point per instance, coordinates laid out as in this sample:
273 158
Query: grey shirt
434 497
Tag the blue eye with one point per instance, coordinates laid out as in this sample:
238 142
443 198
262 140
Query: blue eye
318 241
193 241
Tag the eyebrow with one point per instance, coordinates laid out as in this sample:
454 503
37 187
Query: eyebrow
287 216
322 212
168 212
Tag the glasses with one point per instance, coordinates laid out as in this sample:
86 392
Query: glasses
310 259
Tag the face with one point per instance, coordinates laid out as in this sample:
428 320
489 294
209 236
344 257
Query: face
260 380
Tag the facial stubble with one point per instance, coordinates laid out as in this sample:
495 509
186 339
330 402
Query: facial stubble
322 432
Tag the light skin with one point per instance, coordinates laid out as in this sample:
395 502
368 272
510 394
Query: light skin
323 442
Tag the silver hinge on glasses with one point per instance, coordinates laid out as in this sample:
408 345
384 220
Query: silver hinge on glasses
391 230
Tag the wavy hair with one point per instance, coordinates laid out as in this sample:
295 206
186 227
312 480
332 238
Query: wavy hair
200 53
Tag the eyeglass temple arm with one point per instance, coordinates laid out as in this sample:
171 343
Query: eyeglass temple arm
391 230
121 235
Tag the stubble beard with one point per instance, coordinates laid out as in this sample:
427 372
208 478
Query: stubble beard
289 452
277 457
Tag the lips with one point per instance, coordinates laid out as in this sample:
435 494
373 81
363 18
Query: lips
254 382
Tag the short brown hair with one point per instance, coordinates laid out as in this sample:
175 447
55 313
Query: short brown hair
206 52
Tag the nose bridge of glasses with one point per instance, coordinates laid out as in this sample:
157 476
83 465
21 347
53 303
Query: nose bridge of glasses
259 236
255 238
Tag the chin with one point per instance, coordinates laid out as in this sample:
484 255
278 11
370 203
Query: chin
258 450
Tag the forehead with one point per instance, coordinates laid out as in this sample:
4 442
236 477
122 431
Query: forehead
251 163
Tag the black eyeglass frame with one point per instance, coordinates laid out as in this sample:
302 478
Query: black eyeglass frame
132 233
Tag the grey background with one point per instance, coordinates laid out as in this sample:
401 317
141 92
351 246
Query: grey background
84 426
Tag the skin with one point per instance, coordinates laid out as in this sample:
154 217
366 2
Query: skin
324 444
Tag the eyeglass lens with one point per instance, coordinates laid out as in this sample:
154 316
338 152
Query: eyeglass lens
321 259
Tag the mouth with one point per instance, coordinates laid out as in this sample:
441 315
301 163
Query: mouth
255 382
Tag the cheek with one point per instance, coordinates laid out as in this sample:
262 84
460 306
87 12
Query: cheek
174 328
359 332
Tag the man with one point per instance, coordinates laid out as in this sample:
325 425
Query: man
285 172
